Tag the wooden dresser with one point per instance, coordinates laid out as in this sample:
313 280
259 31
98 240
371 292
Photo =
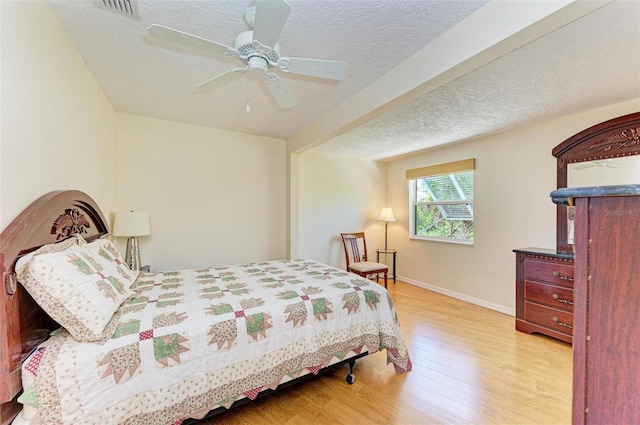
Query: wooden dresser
544 292
606 348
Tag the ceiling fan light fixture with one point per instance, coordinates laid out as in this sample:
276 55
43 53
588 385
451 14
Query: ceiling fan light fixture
258 65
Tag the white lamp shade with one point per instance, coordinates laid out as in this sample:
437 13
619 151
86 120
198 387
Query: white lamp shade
131 224
386 215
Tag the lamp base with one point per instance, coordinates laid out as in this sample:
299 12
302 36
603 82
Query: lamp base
132 257
385 235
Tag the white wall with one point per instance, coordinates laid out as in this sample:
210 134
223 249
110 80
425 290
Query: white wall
58 129
337 195
515 172
214 197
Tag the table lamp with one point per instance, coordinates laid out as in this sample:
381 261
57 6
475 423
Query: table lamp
131 224
386 215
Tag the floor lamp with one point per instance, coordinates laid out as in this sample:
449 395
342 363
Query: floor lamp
131 224
386 215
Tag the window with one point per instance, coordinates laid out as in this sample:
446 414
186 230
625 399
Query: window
441 201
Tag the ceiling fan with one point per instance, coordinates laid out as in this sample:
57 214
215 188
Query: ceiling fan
259 51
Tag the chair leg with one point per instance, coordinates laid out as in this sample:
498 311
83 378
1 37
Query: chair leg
385 279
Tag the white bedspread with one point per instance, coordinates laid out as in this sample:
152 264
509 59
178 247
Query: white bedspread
194 340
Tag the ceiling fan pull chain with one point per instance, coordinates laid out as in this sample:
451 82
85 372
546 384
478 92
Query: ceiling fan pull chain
248 107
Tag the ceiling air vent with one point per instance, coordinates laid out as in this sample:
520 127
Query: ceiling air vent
121 7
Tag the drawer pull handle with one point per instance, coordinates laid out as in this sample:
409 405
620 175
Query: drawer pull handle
566 325
559 276
561 300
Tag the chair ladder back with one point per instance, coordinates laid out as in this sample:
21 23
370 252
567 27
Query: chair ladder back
355 251
352 245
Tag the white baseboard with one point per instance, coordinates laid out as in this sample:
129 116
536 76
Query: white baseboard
477 301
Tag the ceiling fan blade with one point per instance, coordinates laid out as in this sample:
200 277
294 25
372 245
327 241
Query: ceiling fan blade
271 15
334 70
168 34
280 92
220 80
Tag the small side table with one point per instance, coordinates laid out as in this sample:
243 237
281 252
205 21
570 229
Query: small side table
387 252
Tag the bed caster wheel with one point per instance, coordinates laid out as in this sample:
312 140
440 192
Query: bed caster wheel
351 378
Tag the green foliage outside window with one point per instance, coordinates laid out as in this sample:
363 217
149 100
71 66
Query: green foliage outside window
443 206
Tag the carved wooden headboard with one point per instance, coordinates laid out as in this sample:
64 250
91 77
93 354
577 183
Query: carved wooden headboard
52 218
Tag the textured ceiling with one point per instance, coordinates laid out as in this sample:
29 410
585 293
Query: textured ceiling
592 61
595 61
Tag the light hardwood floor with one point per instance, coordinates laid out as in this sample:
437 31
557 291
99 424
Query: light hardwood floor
470 366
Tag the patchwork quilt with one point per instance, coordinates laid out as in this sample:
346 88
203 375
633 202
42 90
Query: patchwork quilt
190 341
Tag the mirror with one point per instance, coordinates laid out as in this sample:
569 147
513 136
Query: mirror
602 155
605 172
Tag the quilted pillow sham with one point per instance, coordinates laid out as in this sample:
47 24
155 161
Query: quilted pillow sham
78 287
105 253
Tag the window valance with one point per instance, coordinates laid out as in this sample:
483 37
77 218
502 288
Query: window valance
439 169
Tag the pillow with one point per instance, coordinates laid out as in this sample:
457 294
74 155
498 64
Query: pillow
78 287
105 253
76 239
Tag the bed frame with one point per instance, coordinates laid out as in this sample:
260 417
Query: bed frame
52 218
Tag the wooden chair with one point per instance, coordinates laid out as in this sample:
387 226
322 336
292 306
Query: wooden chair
357 260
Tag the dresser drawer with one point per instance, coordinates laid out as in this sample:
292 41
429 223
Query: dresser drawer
549 317
544 290
555 296
546 271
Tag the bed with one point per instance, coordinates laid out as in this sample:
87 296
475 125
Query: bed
165 347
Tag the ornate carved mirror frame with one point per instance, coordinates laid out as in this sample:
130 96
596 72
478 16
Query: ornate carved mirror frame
610 139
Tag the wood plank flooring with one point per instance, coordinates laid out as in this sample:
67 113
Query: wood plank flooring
470 366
